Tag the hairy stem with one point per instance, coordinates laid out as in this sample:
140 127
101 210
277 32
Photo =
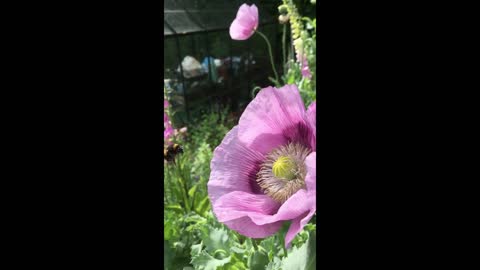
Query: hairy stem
270 52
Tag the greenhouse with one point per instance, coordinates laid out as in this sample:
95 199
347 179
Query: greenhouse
202 63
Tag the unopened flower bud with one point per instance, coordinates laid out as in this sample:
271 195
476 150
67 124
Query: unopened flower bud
283 19
283 9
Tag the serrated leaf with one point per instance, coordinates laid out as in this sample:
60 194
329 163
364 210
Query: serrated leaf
258 260
234 266
270 247
216 239
195 249
303 257
274 265
238 250
205 261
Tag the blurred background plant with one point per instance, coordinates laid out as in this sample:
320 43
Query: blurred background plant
300 63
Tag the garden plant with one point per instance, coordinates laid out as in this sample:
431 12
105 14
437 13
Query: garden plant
240 188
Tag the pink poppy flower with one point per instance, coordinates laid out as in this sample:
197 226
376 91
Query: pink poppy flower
245 23
264 171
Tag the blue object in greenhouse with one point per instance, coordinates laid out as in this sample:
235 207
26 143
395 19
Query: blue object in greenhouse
213 68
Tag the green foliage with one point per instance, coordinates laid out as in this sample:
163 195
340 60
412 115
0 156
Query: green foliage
303 257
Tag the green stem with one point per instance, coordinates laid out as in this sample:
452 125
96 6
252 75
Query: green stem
270 52
255 245
183 188
167 184
284 41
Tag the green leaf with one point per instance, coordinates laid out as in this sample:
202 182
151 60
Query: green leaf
168 255
281 237
234 266
274 265
216 239
258 260
175 207
196 249
269 246
205 261
202 206
192 190
303 257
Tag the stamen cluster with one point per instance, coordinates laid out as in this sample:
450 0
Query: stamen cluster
283 172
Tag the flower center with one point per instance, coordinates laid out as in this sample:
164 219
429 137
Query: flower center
283 171
284 168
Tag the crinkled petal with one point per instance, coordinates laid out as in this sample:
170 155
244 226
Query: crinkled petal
245 23
275 117
246 227
260 208
240 32
247 16
246 213
233 168
311 177
295 206
296 226
298 223
312 114
254 14
239 204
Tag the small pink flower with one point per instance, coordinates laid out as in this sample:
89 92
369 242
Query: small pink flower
167 131
165 104
245 23
304 66
264 171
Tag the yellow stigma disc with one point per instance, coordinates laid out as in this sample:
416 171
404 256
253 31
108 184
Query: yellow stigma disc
284 168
